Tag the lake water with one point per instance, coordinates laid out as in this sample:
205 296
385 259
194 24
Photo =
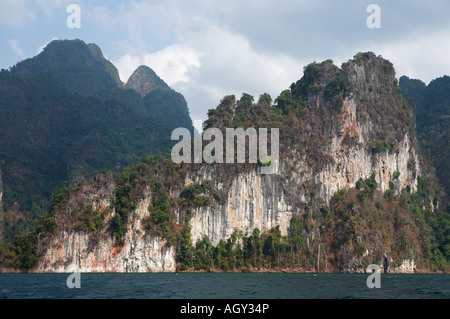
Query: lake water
224 286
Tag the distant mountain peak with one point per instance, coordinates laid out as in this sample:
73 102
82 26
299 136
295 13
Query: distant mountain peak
76 64
69 50
144 80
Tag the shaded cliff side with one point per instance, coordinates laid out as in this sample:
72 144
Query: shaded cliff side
433 121
349 191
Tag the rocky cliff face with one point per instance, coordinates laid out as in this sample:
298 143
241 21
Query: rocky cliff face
144 80
344 155
72 250
258 201
366 134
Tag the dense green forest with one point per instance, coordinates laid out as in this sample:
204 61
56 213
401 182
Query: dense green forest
433 121
65 116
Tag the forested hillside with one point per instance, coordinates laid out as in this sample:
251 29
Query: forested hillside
433 121
66 116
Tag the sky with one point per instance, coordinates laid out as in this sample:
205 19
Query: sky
207 49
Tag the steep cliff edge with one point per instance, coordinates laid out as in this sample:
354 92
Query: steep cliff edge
84 244
349 191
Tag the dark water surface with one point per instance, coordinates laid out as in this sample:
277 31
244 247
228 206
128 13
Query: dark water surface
223 286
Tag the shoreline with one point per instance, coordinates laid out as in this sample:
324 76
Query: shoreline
236 271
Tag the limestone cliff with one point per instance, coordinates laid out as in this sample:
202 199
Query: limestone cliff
144 80
342 155
75 250
339 127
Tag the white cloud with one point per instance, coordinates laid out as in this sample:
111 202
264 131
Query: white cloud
229 65
102 16
207 50
173 64
423 57
134 23
14 13
50 5
17 49
126 65
213 63
198 124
